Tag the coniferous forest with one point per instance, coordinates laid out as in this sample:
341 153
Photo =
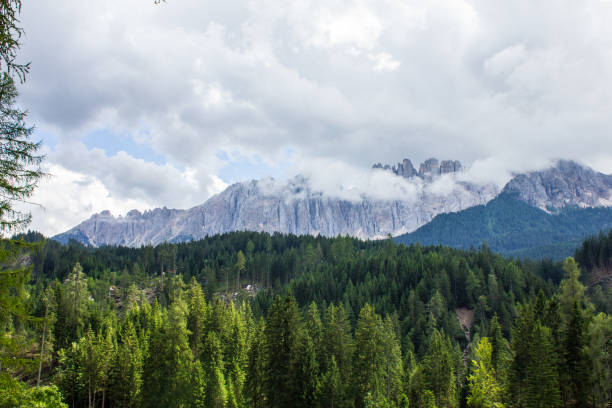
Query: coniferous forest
256 320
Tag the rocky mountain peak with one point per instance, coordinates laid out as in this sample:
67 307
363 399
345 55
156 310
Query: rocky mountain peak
427 170
566 183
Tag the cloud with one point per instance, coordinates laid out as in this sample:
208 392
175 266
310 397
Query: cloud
498 85
67 198
337 179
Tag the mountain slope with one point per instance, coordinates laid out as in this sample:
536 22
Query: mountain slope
267 206
512 227
567 183
296 207
293 207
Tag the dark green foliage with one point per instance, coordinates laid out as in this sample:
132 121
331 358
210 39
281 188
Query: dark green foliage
438 370
338 323
533 378
19 162
281 381
513 228
595 252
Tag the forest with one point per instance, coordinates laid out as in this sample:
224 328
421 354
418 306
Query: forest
250 319
514 228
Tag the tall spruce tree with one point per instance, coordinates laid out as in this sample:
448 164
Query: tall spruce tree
532 378
257 358
485 391
575 310
369 367
438 370
282 334
168 366
216 394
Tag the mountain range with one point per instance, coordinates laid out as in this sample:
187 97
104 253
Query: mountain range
539 214
442 209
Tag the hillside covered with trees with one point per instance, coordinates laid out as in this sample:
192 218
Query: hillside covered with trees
325 323
512 227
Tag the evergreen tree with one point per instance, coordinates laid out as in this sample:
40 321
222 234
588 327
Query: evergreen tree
307 373
68 376
575 310
240 268
216 394
532 378
125 376
235 355
484 389
337 341
392 361
13 306
168 366
438 368
369 367
196 317
19 162
72 307
198 381
598 351
332 393
499 345
282 335
255 386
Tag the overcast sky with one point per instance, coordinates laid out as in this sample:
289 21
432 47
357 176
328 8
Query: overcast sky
142 105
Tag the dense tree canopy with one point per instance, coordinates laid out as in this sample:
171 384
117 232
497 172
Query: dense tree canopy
313 321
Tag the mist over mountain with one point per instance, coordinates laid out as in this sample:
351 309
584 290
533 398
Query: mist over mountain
540 214
393 205
296 206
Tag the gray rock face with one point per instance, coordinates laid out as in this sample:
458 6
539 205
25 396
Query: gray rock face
290 207
295 207
427 170
567 183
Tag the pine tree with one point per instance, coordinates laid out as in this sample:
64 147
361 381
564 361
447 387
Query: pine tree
196 317
198 381
255 386
282 349
392 361
125 376
216 394
68 376
240 267
575 310
20 173
532 377
499 346
598 351
13 307
307 373
333 388
72 307
168 367
235 353
19 163
484 389
337 341
368 366
439 370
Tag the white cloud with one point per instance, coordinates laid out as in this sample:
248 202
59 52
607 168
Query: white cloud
498 85
384 62
357 28
67 198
